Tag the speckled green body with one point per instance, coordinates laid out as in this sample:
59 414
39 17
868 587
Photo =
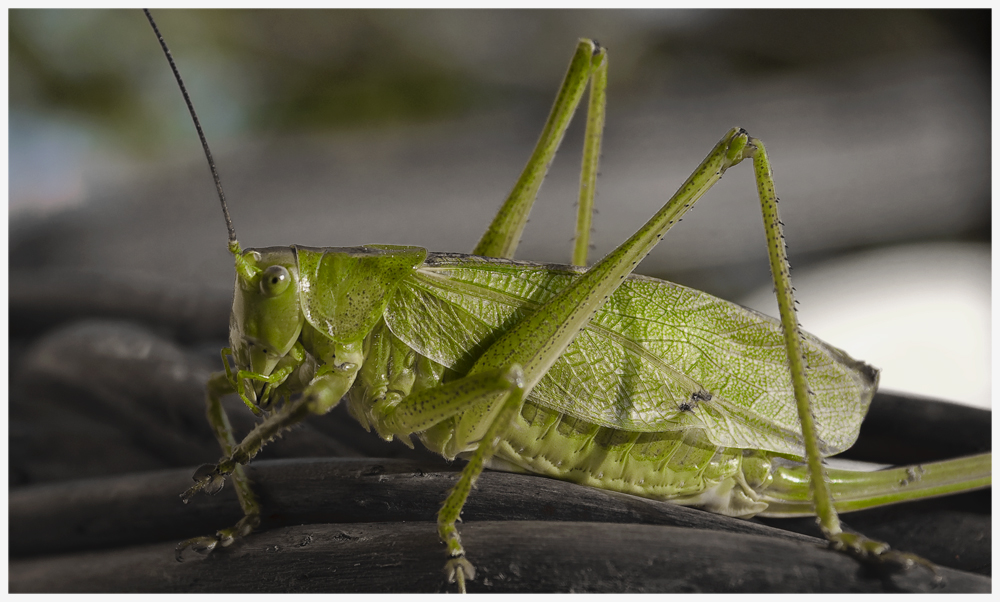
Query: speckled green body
594 426
680 466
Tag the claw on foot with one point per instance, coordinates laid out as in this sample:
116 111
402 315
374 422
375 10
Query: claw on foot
201 546
858 546
208 479
241 529
459 569
881 555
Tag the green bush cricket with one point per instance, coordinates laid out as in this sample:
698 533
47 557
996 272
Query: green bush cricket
594 375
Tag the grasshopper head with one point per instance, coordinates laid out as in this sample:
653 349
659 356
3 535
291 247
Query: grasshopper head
266 318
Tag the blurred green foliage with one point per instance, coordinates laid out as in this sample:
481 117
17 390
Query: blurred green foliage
304 70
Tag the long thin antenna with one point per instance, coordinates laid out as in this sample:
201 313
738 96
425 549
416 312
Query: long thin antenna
197 125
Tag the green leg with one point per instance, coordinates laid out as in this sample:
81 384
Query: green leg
423 410
319 397
286 366
826 515
591 155
272 381
828 520
458 568
853 490
219 385
504 233
429 407
537 341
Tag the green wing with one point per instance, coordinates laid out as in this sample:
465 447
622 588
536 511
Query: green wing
656 357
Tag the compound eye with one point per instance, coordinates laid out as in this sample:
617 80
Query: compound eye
274 281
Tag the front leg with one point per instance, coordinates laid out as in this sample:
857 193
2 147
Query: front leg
319 397
219 385
286 367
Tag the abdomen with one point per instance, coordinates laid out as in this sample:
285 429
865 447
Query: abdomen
681 466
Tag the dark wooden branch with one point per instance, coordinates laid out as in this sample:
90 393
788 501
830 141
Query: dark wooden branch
145 507
512 556
366 525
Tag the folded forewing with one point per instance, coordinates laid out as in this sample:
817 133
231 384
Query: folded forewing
658 356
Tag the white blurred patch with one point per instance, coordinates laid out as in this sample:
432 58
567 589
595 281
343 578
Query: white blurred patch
921 313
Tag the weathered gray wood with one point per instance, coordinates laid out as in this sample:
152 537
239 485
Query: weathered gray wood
511 556
133 509
57 525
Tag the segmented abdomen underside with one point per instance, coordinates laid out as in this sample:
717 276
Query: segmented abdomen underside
678 465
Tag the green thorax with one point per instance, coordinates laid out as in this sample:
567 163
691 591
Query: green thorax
344 291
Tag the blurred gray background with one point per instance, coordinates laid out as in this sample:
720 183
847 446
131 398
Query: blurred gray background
337 128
